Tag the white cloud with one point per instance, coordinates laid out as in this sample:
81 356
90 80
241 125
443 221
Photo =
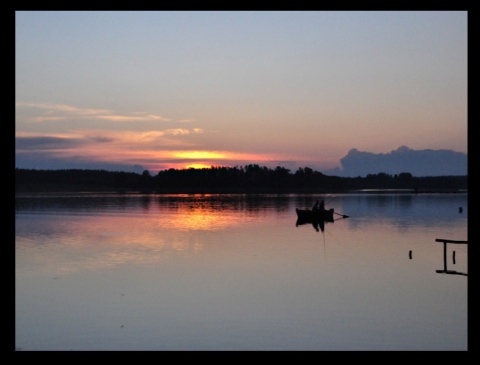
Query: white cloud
60 112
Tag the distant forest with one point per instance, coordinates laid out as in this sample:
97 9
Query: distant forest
246 179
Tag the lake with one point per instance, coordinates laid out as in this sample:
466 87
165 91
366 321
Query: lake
235 272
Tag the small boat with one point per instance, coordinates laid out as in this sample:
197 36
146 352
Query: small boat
308 215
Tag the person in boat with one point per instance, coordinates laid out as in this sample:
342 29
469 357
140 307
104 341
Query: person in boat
319 206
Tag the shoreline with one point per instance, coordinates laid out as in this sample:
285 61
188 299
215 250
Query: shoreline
239 192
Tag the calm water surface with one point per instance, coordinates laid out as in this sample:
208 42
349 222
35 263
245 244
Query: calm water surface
235 272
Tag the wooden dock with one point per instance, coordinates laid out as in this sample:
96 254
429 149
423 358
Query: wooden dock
445 242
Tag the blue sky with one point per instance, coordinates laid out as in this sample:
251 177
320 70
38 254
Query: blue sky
200 88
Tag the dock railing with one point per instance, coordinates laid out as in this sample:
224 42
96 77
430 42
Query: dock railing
445 242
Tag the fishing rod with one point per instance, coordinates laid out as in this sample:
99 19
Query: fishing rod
341 215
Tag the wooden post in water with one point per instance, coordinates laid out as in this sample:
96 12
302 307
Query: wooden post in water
444 255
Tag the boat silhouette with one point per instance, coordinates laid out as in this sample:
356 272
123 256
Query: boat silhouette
317 218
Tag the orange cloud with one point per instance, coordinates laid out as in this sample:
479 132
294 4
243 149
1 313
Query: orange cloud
132 118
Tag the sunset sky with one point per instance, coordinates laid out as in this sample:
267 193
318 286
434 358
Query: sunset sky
200 88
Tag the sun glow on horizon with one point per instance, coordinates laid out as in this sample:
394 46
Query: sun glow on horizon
141 148
199 155
198 166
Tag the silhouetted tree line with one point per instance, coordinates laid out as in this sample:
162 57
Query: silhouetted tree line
244 179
